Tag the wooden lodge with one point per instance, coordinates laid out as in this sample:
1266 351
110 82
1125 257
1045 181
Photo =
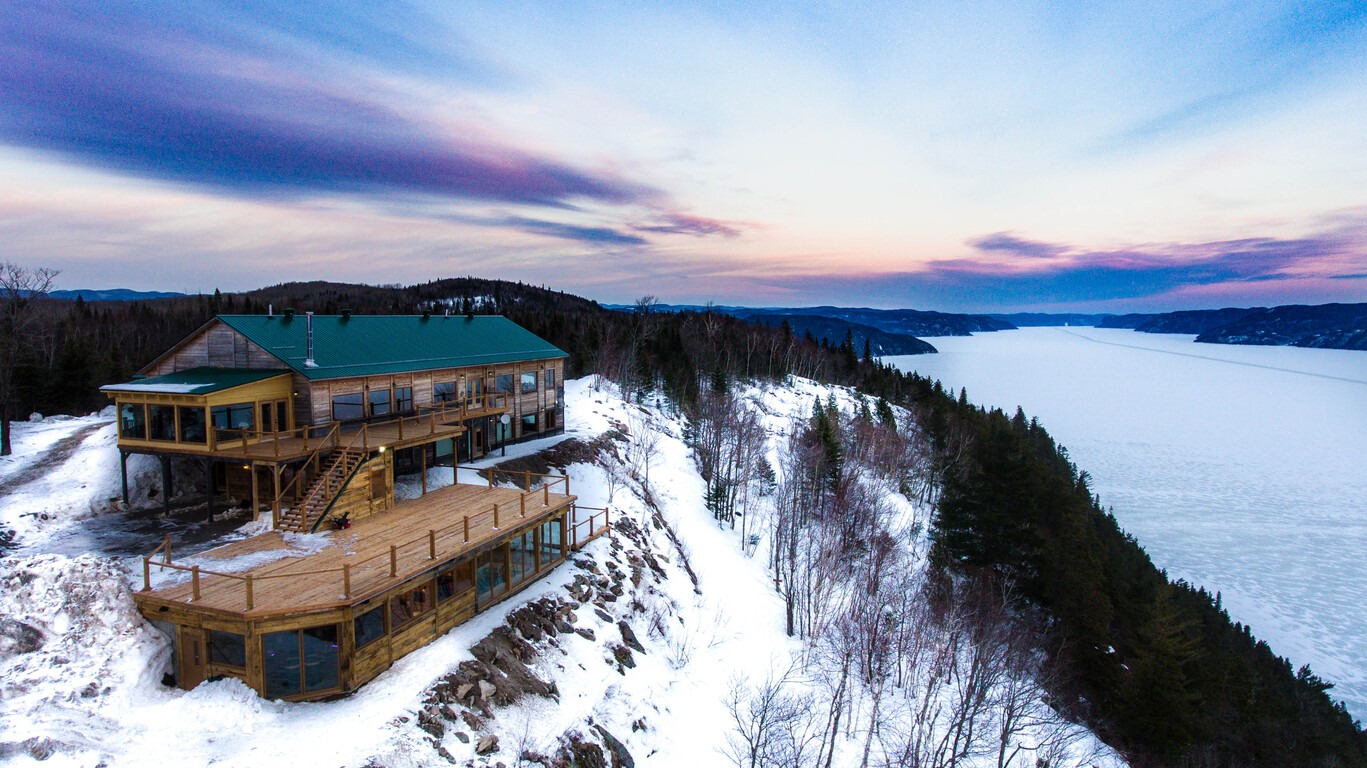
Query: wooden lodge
287 410
311 418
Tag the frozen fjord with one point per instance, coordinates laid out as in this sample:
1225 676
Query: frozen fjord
1242 469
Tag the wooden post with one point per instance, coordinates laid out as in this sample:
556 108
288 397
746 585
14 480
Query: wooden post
166 543
495 517
423 464
146 574
467 528
346 580
400 427
528 477
194 582
431 544
546 495
393 560
123 473
275 504
567 484
256 494
491 475
522 500
251 603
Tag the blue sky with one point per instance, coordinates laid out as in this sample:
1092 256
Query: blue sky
1009 156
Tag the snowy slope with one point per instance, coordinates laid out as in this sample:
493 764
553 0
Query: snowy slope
639 656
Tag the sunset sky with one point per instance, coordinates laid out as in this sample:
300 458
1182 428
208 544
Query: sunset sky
1067 156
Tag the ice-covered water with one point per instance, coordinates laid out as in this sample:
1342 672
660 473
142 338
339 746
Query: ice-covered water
1243 469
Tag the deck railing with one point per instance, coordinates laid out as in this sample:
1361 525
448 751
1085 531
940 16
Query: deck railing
424 420
445 542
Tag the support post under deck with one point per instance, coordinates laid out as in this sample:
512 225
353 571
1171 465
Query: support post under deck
165 484
123 474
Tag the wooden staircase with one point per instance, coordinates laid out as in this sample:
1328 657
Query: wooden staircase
335 475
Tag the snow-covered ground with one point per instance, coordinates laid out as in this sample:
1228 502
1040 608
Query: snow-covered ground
1243 469
80 671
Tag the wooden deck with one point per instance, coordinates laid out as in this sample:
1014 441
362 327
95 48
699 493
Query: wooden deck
295 574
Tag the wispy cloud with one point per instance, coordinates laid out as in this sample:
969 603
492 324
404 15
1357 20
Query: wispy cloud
109 86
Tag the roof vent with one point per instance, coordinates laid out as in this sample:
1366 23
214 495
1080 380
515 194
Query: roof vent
427 314
346 315
289 313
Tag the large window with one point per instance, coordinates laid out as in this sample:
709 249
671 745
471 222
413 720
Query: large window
552 541
228 649
455 580
550 378
369 626
491 576
379 402
406 608
522 557
529 423
444 392
235 416
504 383
192 426
528 382
474 391
403 399
133 421
349 407
301 661
161 422
550 418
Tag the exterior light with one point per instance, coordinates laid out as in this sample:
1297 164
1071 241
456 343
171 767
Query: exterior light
382 449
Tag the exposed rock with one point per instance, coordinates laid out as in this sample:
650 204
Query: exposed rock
623 656
16 637
487 745
621 758
585 633
629 637
462 737
472 720
486 689
604 615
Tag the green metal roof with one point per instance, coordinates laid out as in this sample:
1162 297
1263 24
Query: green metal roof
364 345
194 381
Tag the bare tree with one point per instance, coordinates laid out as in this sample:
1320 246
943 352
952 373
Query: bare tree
772 725
20 288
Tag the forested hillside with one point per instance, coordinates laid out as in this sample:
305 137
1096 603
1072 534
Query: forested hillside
1158 669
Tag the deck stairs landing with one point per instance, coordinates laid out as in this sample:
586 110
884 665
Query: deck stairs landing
329 483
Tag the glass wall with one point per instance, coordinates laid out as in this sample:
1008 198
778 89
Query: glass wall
491 576
133 421
228 649
522 557
301 661
455 580
528 382
408 607
192 424
369 626
226 418
161 422
552 541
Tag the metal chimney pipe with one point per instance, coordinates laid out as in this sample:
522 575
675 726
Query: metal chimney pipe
308 326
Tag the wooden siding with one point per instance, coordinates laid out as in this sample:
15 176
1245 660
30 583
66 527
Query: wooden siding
370 491
216 346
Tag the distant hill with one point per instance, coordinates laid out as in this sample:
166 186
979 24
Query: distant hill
907 322
834 331
1038 319
1193 321
113 294
1330 326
